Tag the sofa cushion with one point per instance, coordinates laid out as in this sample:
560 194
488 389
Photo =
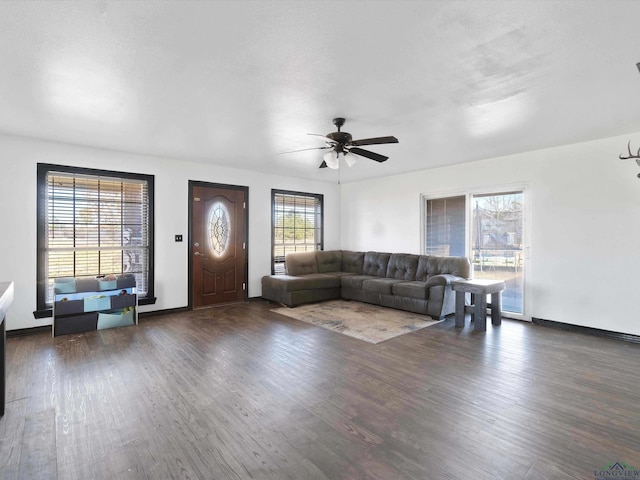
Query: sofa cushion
301 263
313 281
329 261
352 262
354 281
375 263
423 263
415 289
402 266
380 285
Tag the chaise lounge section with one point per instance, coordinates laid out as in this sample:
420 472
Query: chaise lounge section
416 283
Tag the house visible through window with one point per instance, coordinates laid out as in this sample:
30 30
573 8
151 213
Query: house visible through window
296 225
91 223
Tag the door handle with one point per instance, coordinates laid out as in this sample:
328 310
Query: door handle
198 254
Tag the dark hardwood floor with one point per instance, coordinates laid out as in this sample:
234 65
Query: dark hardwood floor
239 392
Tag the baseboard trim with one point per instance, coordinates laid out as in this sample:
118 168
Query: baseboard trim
166 311
625 337
23 332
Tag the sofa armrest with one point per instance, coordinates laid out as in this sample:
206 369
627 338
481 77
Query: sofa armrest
442 280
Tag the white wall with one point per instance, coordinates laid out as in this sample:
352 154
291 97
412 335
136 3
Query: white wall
584 219
584 206
18 159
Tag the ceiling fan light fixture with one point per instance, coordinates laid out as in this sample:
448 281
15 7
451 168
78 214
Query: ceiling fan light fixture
342 146
350 159
331 159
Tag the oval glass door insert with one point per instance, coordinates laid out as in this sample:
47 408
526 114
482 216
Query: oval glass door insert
218 229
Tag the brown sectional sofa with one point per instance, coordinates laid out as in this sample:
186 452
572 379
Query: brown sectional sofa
416 283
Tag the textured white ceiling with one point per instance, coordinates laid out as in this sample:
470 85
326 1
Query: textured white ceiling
235 83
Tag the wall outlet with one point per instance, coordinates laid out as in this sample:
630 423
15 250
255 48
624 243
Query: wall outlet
178 238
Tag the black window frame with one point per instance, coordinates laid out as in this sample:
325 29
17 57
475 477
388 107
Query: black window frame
43 169
317 197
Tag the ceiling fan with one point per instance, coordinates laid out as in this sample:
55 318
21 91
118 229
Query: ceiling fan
341 146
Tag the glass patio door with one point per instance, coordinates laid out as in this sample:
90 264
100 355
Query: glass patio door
489 228
497 252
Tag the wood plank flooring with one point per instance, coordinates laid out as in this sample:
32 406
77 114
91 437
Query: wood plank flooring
239 392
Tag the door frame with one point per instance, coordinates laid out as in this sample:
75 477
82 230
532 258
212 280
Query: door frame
223 186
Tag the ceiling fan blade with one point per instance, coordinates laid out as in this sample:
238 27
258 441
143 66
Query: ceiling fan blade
323 165
304 150
374 141
366 153
324 137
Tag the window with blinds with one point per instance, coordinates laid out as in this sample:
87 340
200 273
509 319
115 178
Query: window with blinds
296 225
93 223
445 225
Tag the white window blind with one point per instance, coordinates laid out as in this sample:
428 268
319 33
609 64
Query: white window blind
445 223
296 225
96 225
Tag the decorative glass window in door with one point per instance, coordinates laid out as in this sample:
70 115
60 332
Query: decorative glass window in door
218 229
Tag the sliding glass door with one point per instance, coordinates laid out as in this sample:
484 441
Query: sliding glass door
497 229
489 228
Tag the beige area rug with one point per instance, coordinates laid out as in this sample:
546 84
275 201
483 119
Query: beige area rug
366 322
